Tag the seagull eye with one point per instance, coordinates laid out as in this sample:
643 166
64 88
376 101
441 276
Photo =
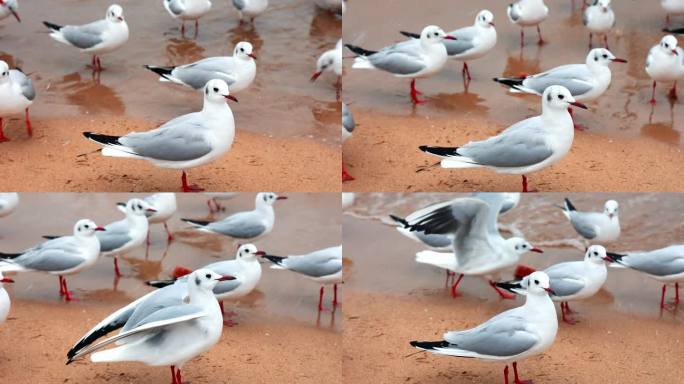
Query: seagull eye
561 97
605 56
595 253
208 276
242 49
215 89
139 206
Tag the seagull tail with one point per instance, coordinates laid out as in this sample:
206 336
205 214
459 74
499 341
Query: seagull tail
443 152
568 205
450 157
438 259
197 223
52 26
163 72
10 267
512 82
111 145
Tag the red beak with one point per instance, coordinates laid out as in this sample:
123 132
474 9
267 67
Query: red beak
535 249
674 51
578 104
100 229
492 24
231 97
120 18
253 56
448 37
226 278
6 280
151 210
260 253
549 290
315 76
616 60
16 15
281 198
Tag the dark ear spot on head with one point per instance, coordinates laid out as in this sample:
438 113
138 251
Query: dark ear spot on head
548 97
206 91
197 281
265 197
595 57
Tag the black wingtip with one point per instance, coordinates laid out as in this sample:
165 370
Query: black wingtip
410 34
160 283
400 220
616 257
509 286
440 151
359 51
674 30
102 139
10 255
569 205
161 71
52 26
429 345
51 237
275 259
509 81
202 223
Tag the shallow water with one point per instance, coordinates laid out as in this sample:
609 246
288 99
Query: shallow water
304 222
622 111
281 102
383 259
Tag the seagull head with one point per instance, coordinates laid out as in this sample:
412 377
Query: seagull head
521 246
602 56
669 45
4 72
86 227
139 207
604 4
596 254
538 283
558 97
485 19
326 62
244 50
268 198
248 252
433 34
206 279
115 13
217 91
611 208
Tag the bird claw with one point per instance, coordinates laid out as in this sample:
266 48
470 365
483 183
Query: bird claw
192 188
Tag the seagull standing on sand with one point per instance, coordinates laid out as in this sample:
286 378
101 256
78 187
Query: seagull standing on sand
323 266
348 126
62 256
187 10
571 281
171 334
9 7
527 146
508 337
415 58
96 38
5 303
597 227
238 71
16 96
665 62
250 8
248 225
185 142
331 61
528 13
8 203
472 42
599 19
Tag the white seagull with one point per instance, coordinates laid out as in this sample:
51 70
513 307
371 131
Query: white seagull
323 266
248 225
4 298
331 61
96 38
527 146
62 256
471 42
245 268
528 13
348 126
250 8
672 8
238 71
665 265
8 203
164 205
413 58
572 280
599 19
185 142
511 336
595 226
187 10
9 7
665 62
170 334
16 96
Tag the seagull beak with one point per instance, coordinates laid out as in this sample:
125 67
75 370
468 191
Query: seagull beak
674 52
100 229
608 259
281 198
226 278
550 291
535 249
616 60
492 24
151 210
315 76
611 215
6 280
260 253
231 97
253 56
16 15
449 37
578 104
120 18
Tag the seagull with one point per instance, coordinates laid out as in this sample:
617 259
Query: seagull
62 256
247 225
238 71
586 82
665 265
528 13
471 42
8 203
4 298
511 336
323 266
414 58
599 19
215 197
595 226
185 142
99 37
330 60
16 96
250 8
527 146
124 235
665 62
187 10
9 7
571 281
165 207
348 126
477 246
672 7
172 333
245 268
334 6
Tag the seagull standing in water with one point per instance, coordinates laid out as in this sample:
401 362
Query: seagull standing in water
250 8
595 226
665 63
599 19
528 13
331 61
16 96
187 10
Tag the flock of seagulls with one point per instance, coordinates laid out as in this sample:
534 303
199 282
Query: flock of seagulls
184 317
464 239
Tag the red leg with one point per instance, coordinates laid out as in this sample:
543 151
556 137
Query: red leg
335 296
189 188
221 305
179 378
466 72
605 41
67 293
524 183
448 276
29 130
196 26
117 272
517 379
147 240
541 40
345 175
506 375
3 138
676 293
673 92
455 285
653 100
502 293
173 375
414 93
61 286
169 236
591 35
565 310
183 29
320 300
662 297
578 127
522 37
99 63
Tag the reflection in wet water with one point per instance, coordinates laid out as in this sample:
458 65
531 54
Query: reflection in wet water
89 94
304 222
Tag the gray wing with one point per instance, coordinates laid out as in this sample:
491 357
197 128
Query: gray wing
463 43
575 77
523 144
169 296
347 119
53 255
115 236
495 202
501 336
24 82
239 4
401 59
177 140
566 278
582 223
84 36
199 73
175 6
170 312
434 241
226 268
242 225
316 264
661 262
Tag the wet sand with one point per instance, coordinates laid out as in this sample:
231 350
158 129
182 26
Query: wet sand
50 161
383 155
